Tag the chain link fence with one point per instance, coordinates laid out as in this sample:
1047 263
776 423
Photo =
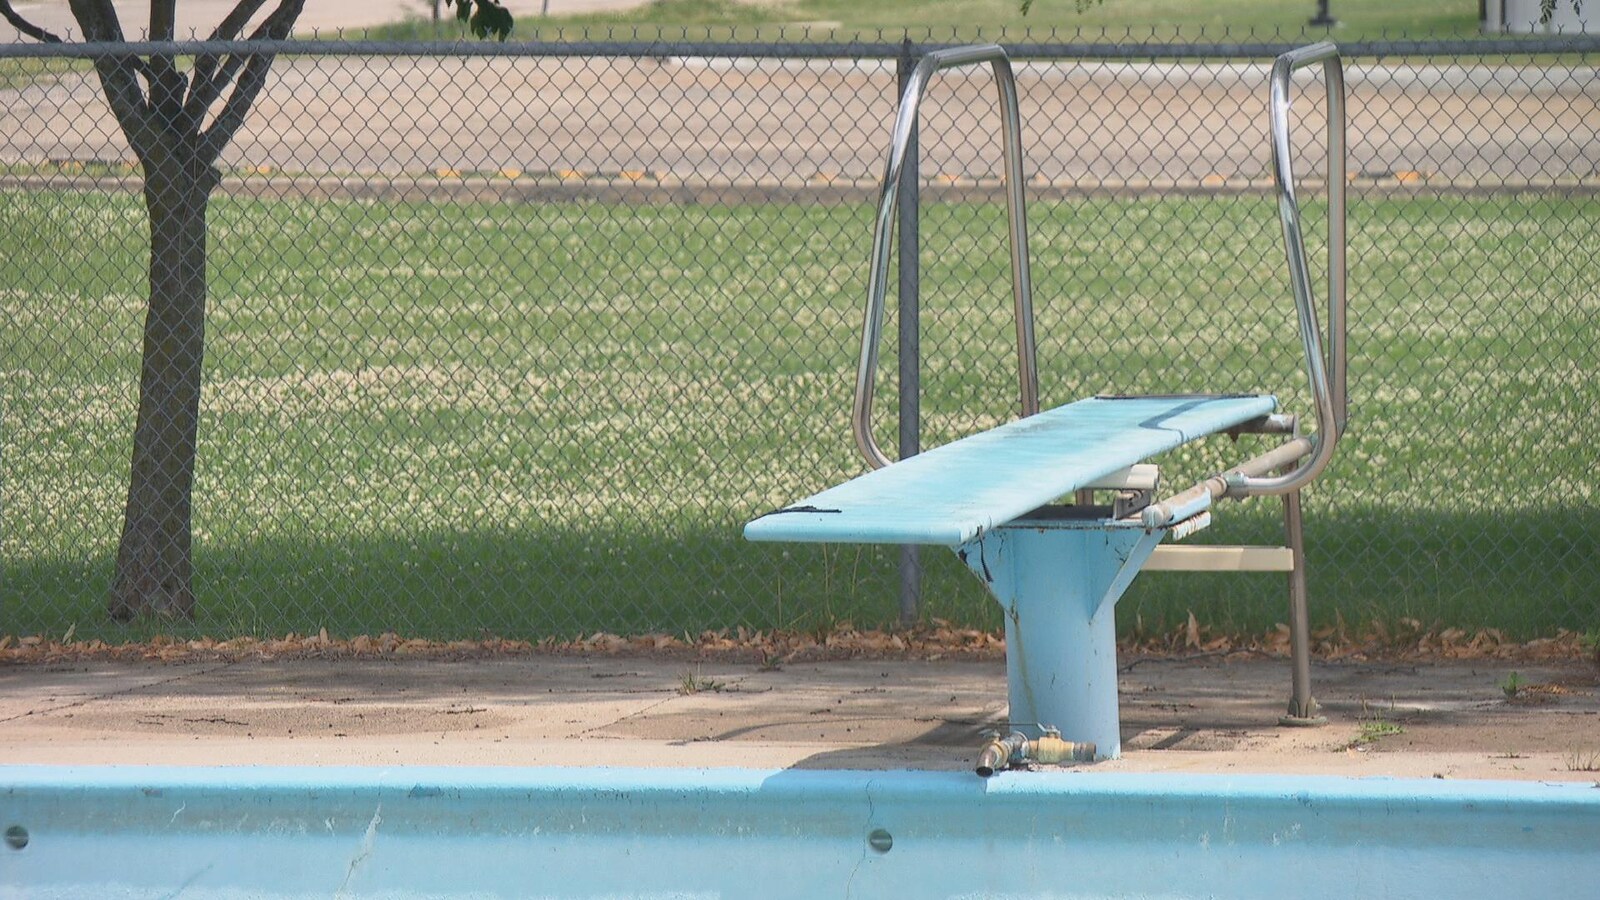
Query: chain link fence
513 339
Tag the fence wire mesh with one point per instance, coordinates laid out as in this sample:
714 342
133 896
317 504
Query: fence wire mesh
512 340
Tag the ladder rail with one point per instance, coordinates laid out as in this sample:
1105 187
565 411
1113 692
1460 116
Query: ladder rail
905 126
1325 366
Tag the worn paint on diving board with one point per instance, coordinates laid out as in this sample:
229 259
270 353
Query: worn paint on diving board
952 494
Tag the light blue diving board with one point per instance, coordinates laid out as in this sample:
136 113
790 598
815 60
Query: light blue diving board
952 494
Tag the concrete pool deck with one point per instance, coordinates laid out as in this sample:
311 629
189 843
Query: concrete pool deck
1387 718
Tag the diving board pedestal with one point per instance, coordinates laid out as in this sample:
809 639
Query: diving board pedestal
1057 579
1056 571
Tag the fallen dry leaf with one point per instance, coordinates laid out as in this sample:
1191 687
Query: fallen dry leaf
1406 638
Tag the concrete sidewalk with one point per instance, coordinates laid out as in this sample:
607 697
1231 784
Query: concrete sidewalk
1449 720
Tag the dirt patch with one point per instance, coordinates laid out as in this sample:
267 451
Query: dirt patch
303 720
1552 712
1204 712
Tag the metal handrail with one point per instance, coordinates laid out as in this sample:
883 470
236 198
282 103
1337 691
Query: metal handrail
905 124
1329 395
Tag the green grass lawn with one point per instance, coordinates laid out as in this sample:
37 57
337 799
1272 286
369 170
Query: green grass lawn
553 418
1284 19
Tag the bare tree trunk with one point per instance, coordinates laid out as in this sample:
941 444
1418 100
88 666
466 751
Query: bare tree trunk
162 112
153 559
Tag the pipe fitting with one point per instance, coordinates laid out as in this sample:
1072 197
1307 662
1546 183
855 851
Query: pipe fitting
1052 749
1016 748
998 753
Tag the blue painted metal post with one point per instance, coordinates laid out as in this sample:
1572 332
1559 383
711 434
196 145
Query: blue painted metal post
910 328
1058 582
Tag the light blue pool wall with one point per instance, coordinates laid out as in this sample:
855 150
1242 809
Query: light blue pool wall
438 832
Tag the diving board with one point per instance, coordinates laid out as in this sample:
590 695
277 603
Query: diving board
1016 503
952 494
1056 572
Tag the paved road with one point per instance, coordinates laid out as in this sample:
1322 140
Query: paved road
648 122
198 17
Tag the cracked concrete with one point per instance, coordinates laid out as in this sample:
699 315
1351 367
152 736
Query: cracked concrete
1214 715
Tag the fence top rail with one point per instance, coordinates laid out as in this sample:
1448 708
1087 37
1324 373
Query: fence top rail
663 49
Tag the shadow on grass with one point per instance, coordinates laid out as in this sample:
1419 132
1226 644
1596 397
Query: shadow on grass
1363 564
1371 563
473 584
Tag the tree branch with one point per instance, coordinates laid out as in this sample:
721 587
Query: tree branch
204 93
166 82
26 27
204 85
163 20
233 23
98 19
275 27
118 72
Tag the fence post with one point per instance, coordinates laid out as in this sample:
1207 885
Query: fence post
909 335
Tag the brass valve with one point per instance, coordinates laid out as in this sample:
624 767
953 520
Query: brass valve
1017 748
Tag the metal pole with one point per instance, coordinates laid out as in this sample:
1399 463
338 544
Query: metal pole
910 337
1303 709
1492 16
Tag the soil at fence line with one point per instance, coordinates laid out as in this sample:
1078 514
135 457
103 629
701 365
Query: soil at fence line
1404 640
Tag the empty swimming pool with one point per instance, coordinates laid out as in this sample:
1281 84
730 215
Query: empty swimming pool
478 832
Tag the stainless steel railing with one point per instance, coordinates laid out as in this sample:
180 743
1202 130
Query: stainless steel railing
1328 390
1325 366
1300 460
905 125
